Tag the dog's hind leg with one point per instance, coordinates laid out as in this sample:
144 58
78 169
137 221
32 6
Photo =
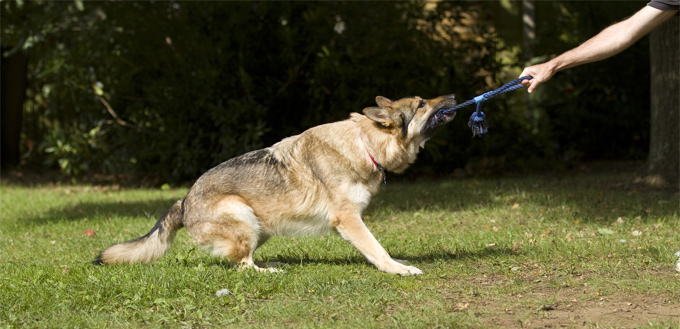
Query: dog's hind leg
232 231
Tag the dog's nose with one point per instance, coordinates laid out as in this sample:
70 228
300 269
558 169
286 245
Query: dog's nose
452 96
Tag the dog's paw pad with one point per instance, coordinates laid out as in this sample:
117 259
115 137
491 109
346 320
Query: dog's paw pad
267 269
411 270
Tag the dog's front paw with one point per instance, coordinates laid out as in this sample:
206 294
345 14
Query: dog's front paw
397 268
411 270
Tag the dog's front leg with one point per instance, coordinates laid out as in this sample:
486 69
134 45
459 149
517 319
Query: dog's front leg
353 229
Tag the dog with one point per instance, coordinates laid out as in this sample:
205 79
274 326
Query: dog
312 183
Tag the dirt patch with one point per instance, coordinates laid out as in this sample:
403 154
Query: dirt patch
623 312
548 306
568 311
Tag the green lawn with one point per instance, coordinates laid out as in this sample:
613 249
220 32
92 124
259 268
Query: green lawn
569 250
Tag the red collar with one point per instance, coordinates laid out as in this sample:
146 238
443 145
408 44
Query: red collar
377 165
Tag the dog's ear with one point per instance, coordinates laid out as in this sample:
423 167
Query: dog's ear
379 114
383 101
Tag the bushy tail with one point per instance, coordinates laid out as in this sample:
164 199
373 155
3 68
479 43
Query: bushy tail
148 247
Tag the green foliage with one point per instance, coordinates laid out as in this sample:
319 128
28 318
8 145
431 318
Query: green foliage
73 152
598 110
173 88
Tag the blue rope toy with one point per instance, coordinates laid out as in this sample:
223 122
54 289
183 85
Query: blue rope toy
477 121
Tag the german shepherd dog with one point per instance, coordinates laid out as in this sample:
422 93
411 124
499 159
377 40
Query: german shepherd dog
311 183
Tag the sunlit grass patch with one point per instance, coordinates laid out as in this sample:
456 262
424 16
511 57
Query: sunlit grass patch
494 252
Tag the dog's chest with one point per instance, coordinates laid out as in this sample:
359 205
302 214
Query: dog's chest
359 195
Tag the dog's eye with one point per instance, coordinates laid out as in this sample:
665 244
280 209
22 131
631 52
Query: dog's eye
422 103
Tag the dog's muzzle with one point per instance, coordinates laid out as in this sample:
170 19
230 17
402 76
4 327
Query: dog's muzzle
444 115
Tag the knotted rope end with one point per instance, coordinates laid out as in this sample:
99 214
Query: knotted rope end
478 124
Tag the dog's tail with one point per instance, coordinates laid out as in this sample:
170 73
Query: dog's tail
148 247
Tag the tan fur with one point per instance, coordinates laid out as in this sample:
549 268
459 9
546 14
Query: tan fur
312 183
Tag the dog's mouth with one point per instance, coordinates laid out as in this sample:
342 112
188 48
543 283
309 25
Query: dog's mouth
440 118
443 114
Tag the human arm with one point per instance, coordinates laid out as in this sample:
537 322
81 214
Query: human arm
607 43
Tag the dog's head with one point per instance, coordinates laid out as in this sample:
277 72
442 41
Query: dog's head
412 118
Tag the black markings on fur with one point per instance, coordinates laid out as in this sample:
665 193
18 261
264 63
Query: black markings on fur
263 156
249 158
98 260
404 127
260 168
157 227
260 161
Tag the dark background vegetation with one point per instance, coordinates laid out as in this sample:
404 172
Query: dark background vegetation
165 90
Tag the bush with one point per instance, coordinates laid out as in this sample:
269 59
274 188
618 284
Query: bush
169 89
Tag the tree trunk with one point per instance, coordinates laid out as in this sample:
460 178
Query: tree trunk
663 164
528 27
13 94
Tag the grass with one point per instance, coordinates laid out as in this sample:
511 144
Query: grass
580 249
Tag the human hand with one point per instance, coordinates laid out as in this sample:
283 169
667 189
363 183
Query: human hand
540 73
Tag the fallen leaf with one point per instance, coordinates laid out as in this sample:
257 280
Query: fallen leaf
223 292
89 233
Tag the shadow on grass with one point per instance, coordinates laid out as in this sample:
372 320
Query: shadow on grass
590 198
440 254
151 209
410 259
